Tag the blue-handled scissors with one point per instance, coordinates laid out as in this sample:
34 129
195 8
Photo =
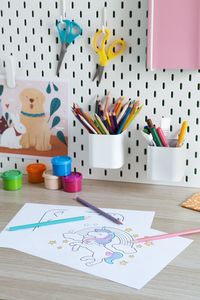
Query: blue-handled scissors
68 32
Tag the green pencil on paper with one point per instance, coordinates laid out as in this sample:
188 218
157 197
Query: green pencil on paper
47 223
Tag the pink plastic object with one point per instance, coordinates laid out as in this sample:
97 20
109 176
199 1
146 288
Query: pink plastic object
162 137
72 183
173 34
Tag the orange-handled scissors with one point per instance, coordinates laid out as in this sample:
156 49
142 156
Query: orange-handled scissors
114 50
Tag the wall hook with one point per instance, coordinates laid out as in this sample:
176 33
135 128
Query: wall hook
10 71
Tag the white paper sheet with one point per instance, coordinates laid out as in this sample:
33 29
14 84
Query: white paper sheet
95 245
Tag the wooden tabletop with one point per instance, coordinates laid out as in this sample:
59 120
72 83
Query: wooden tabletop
24 277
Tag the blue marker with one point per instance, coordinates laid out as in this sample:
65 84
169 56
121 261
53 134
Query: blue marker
47 223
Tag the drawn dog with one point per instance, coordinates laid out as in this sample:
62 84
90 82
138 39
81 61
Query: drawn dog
33 117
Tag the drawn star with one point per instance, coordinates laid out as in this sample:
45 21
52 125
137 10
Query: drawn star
59 247
128 229
52 242
135 235
65 241
148 244
123 262
131 256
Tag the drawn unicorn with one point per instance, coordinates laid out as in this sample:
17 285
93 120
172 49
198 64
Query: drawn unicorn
104 244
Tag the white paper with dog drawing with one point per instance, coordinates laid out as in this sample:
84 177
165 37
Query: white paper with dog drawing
96 245
33 118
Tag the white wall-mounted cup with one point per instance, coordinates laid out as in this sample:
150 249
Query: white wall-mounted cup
166 164
107 151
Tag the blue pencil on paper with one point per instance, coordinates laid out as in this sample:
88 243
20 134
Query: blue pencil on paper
47 223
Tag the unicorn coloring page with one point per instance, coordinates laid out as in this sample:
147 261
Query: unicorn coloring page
94 245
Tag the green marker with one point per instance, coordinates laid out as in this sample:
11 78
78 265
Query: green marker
156 137
154 133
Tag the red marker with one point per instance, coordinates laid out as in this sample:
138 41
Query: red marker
162 137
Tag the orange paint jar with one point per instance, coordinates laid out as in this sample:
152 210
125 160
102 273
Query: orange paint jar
35 172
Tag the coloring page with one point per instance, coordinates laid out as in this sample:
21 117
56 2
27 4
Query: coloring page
94 245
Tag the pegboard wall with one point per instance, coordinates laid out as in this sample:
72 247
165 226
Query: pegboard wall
27 30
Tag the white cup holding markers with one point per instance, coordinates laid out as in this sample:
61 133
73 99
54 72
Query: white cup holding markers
61 176
165 157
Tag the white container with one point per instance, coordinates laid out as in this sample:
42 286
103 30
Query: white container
166 164
107 151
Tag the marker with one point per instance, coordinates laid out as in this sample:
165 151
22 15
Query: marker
154 133
162 137
42 224
182 134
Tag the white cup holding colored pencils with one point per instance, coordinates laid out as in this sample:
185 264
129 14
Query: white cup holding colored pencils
107 151
107 127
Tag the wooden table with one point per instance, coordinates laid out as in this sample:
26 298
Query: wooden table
24 277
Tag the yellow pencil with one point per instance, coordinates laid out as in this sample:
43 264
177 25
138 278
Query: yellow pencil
119 106
133 117
133 111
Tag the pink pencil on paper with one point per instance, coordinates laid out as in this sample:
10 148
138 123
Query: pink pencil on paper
162 137
166 236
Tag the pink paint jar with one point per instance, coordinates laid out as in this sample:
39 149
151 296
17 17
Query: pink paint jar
72 183
51 181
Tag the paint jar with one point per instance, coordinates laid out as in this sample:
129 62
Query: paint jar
51 181
61 165
12 180
35 172
72 183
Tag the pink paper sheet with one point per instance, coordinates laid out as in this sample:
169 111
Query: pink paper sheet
173 34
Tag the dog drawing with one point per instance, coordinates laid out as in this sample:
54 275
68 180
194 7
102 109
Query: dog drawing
33 117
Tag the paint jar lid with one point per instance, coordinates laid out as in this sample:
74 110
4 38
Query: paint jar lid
61 160
73 177
11 174
35 168
49 175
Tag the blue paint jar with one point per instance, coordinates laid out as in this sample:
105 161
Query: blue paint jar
61 165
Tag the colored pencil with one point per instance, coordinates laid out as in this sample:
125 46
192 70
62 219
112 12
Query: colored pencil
105 122
132 118
96 105
121 115
92 123
98 210
115 121
166 236
106 105
112 122
101 124
99 127
47 223
84 125
87 124
124 119
119 106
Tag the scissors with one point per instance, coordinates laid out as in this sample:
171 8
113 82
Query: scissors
68 32
115 49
